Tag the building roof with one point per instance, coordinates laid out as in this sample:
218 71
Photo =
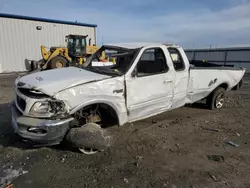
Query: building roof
45 20
243 48
133 45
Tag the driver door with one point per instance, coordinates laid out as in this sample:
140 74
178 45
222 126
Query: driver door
150 88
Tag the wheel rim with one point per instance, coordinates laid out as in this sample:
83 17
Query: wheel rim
88 151
219 101
59 64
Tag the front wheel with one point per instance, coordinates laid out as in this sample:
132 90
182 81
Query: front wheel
216 99
57 62
89 138
88 151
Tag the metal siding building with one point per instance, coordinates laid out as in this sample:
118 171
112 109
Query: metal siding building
20 38
239 57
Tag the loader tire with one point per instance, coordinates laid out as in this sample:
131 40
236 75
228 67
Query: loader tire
216 99
57 62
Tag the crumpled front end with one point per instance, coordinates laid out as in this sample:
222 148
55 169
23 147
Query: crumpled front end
47 118
39 131
39 117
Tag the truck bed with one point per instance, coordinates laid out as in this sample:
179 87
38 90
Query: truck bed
208 65
203 80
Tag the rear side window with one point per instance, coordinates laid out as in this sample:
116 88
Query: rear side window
152 61
176 57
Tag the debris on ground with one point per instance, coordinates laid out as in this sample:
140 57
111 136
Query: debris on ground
125 180
153 121
7 175
138 157
213 177
162 126
217 158
9 186
136 164
211 129
62 160
237 134
232 144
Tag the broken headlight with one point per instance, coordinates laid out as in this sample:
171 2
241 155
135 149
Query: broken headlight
41 108
46 108
57 107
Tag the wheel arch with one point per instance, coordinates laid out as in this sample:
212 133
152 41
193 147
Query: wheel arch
119 117
224 85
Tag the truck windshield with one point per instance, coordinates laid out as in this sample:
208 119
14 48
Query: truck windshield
111 60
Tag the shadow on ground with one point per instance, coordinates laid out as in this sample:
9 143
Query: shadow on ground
198 105
8 138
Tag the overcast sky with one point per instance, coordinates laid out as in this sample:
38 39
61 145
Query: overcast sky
190 23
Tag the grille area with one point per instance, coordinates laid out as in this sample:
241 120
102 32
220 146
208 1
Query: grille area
21 103
32 93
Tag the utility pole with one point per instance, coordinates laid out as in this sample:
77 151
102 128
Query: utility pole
193 52
210 52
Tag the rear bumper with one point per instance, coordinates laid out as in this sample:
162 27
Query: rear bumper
40 131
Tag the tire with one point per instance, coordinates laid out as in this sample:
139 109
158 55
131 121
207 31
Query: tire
216 99
33 65
57 62
89 138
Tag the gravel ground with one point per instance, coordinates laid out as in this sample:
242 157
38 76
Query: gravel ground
168 150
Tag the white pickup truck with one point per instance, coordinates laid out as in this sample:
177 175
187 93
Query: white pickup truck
145 81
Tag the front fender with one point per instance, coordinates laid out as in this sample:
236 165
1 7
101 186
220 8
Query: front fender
118 107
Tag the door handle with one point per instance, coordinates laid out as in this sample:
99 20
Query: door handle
167 81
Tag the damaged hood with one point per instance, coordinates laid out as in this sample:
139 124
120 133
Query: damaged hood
55 80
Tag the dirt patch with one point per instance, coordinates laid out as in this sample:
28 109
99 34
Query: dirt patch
168 150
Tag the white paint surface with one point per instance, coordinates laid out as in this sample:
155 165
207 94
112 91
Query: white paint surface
55 80
138 97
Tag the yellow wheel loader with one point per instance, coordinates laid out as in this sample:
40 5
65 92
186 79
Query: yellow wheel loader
75 54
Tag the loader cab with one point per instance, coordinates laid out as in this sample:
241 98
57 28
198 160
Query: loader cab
76 45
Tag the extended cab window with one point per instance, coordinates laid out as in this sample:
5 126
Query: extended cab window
152 61
176 57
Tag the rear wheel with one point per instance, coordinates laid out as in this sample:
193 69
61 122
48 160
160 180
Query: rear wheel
216 99
57 62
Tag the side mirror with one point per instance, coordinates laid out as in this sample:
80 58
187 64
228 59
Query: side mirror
134 73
